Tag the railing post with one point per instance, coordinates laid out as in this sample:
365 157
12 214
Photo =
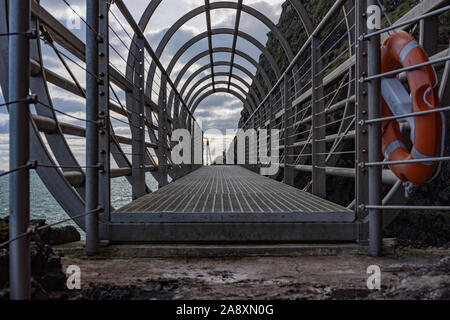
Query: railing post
361 110
429 32
268 152
375 215
255 148
104 142
203 150
289 170
191 130
92 128
19 181
162 133
318 122
138 125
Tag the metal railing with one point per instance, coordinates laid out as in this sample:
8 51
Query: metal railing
327 106
115 65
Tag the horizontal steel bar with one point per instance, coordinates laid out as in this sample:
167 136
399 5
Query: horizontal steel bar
334 75
49 126
120 172
388 177
75 178
403 116
68 85
330 14
330 138
374 164
420 208
128 141
391 73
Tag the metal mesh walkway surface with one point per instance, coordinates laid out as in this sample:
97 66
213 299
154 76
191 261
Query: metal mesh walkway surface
230 193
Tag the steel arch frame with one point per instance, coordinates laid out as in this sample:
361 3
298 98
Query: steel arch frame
243 55
227 64
191 42
218 74
213 6
222 74
153 5
204 35
218 31
199 91
218 90
243 35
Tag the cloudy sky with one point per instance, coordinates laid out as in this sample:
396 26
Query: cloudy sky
219 111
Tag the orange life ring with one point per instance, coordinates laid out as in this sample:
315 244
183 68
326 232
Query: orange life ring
401 49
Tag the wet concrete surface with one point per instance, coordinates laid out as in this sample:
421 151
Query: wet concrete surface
341 276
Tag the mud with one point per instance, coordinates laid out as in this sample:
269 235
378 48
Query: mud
326 277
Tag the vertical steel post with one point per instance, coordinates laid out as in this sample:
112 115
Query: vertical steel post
268 151
176 112
162 133
375 215
429 33
254 148
138 125
19 181
289 170
104 138
203 149
92 128
318 122
191 130
361 142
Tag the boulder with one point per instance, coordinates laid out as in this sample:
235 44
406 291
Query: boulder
55 236
46 267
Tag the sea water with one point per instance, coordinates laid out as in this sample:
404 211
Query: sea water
44 206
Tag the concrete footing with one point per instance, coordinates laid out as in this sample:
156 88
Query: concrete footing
130 251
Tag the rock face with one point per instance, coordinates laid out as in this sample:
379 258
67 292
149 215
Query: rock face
427 229
46 268
55 236
427 283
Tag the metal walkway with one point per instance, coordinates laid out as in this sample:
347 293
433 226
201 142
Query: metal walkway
219 193
231 204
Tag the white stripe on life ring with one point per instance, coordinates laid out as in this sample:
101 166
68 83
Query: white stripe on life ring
407 49
417 155
394 145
